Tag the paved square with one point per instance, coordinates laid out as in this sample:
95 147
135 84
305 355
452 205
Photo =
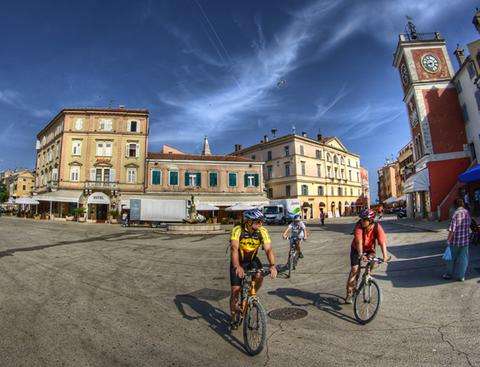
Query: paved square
99 295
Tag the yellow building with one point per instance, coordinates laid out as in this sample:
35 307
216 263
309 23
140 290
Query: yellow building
320 172
20 183
92 158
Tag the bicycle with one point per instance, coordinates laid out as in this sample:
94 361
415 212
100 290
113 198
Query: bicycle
252 314
367 296
293 255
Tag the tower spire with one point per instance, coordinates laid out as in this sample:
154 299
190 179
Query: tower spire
206 147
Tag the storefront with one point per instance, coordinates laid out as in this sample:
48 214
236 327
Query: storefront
416 189
58 204
98 207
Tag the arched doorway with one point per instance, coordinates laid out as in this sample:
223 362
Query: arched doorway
340 208
332 210
98 205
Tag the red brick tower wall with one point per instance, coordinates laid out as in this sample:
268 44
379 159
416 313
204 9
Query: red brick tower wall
447 128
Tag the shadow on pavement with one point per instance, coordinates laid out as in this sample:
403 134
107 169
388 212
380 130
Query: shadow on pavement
421 265
327 302
217 319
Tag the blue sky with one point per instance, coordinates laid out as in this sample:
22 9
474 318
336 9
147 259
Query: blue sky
232 70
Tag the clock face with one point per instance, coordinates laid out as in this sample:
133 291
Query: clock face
430 63
78 124
404 73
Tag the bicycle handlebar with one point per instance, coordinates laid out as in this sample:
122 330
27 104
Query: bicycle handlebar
255 271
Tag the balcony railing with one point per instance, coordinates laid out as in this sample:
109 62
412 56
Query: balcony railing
100 185
52 185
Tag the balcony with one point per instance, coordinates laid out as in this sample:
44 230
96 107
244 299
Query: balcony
52 185
100 185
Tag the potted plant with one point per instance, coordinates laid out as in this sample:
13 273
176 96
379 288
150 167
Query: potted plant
113 217
80 214
71 215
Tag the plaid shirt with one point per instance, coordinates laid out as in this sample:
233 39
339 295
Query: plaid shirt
460 227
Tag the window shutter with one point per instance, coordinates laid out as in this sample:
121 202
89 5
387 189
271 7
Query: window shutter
137 151
257 180
199 179
112 175
245 180
126 150
187 178
92 174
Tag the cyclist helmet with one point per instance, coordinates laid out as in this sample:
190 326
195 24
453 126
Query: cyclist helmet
367 214
296 218
253 214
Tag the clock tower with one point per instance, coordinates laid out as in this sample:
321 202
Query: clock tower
435 118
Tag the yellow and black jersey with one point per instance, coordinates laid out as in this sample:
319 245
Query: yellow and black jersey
249 242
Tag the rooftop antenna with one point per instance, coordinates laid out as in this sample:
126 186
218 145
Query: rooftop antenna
274 132
411 29
294 130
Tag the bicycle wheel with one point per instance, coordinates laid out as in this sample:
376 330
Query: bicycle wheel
255 328
366 302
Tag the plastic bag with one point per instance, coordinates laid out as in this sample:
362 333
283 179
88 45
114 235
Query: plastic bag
447 255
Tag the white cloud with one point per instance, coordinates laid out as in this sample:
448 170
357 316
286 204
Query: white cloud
16 100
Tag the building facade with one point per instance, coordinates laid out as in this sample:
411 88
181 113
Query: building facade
320 172
19 183
405 167
91 158
213 180
436 123
387 182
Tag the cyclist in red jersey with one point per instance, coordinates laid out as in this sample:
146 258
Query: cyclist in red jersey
367 234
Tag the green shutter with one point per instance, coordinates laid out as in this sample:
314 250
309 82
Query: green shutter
256 179
232 180
245 180
198 179
156 177
213 179
173 178
187 181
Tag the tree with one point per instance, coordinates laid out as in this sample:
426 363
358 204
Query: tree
3 193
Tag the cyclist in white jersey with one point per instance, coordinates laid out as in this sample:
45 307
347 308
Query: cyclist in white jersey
297 231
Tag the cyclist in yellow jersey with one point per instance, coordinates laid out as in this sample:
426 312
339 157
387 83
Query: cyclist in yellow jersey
245 241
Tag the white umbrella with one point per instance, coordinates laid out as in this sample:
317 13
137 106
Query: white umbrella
26 201
391 200
206 207
402 198
240 207
11 200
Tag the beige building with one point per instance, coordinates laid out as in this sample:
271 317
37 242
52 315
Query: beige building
92 158
19 183
320 172
214 180
405 167
387 183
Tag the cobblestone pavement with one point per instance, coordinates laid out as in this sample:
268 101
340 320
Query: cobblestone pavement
101 295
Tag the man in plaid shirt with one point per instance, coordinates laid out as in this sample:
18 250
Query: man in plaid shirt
458 240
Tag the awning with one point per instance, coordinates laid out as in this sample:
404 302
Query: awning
62 196
418 182
26 201
402 198
98 198
206 207
390 200
470 175
240 207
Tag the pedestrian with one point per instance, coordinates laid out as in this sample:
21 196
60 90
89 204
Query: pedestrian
458 241
322 216
124 219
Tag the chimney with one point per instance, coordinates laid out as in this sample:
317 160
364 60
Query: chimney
238 147
304 134
274 132
319 137
265 138
460 55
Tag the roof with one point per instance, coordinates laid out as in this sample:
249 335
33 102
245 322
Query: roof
197 157
106 110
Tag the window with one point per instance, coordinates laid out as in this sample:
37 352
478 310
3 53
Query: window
251 180
132 150
193 179
287 150
318 154
320 190
74 173
105 125
329 172
329 157
465 112
287 191
303 168
342 160
213 179
335 159
24 187
102 174
76 147
49 155
253 156
319 170
133 126
173 178
302 150
342 173
104 149
351 192
358 177
458 85
232 179
131 175
471 70
332 191
269 155
340 191
336 172
269 172
156 177
350 174
54 174
304 190
287 169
